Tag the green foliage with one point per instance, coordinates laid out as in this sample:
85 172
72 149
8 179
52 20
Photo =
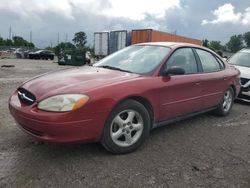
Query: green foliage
8 42
246 37
216 45
1 41
89 48
235 43
80 39
17 41
31 45
205 43
62 47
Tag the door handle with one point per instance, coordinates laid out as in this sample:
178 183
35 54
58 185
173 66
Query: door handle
224 78
197 83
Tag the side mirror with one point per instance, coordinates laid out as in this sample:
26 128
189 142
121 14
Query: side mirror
175 70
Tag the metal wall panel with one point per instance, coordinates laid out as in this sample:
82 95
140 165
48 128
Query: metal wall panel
101 43
117 40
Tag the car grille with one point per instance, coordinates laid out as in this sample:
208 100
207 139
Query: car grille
26 97
244 81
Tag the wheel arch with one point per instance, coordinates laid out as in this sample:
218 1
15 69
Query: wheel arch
234 90
144 101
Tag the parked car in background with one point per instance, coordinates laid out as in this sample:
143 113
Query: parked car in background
42 54
241 60
26 53
19 52
119 99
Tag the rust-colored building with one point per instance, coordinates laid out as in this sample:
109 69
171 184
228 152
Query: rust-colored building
150 35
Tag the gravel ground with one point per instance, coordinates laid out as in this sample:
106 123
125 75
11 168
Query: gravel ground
204 151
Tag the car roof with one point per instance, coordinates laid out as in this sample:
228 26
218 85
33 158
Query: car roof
170 44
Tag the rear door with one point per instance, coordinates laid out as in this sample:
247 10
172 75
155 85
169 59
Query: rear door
213 79
180 94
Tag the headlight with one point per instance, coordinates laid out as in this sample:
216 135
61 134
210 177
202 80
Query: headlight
63 103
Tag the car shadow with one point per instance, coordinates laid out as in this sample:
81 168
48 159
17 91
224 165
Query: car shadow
242 102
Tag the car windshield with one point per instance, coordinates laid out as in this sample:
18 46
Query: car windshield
140 59
241 58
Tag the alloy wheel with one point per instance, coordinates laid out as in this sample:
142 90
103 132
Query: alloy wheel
228 100
126 128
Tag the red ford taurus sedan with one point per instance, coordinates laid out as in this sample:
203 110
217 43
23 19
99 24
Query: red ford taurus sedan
118 100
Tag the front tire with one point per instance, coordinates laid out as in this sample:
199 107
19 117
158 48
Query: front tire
126 128
227 103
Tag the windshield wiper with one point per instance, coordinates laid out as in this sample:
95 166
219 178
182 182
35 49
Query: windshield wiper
114 68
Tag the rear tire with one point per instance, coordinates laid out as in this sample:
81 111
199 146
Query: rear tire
227 103
126 128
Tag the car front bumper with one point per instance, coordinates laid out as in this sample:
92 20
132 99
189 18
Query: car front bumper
57 127
244 96
245 91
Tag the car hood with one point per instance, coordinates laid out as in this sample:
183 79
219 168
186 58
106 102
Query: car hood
244 71
75 80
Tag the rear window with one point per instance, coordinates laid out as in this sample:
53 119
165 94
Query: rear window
208 61
220 62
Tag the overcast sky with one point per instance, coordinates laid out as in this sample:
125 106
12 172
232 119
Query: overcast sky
214 20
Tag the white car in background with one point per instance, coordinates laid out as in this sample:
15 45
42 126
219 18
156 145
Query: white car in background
241 60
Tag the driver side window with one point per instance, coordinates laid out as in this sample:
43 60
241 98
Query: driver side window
183 58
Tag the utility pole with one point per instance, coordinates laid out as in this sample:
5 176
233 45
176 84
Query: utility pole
30 36
58 38
10 33
66 37
51 44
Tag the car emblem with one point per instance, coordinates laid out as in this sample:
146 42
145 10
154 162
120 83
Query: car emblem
23 96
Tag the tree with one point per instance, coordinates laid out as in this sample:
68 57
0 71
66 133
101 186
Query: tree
19 41
80 39
90 49
205 43
246 37
31 45
216 45
8 42
1 41
235 43
62 47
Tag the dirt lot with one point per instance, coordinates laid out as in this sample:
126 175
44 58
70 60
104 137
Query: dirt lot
204 151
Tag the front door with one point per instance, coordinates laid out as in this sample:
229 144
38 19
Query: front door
180 94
